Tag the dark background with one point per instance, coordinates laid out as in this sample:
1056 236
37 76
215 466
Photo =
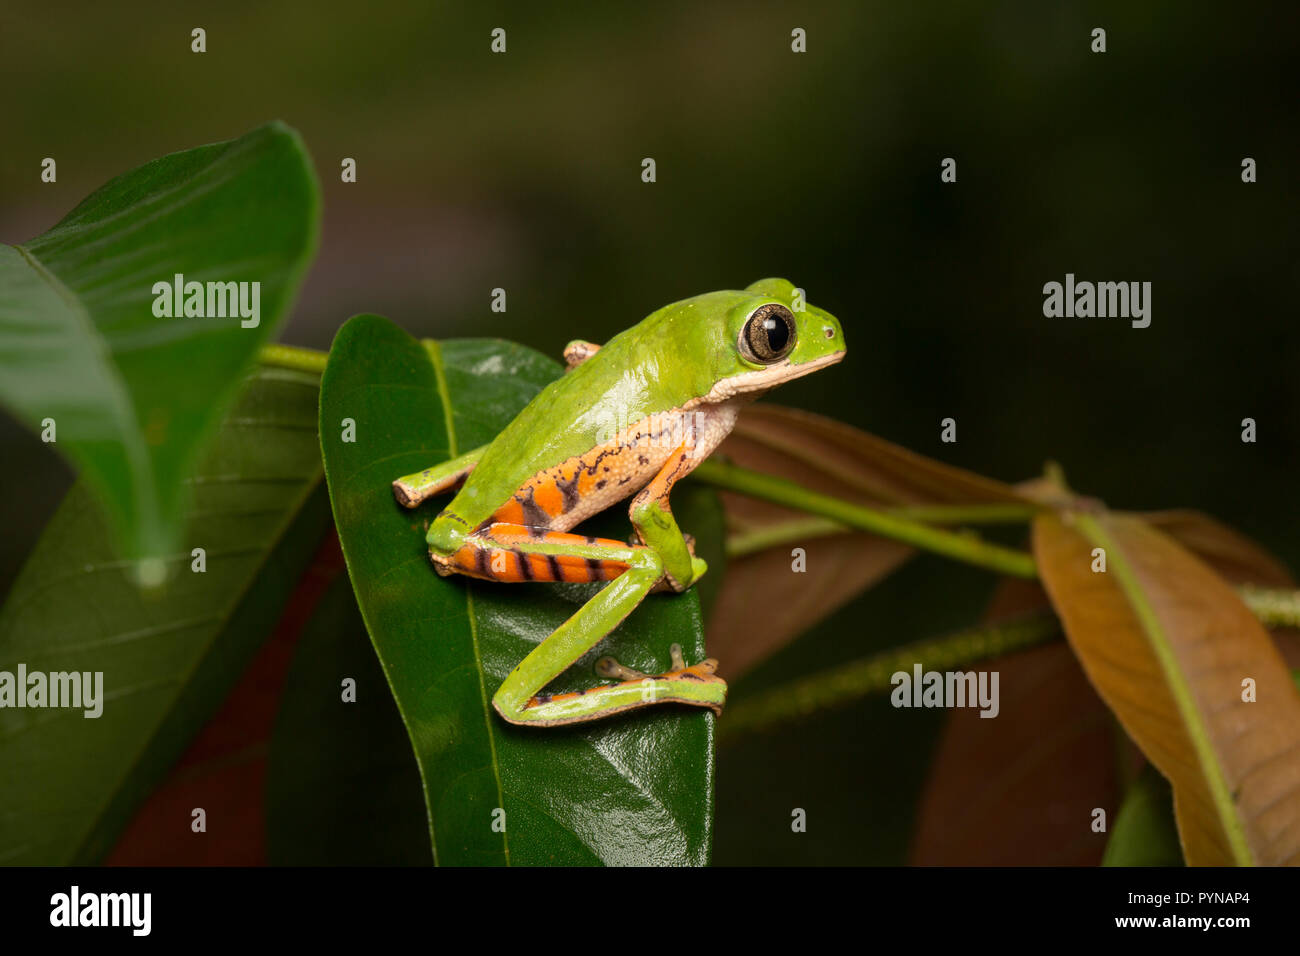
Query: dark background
523 171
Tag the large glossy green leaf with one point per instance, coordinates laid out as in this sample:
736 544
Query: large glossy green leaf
134 396
168 656
636 789
354 749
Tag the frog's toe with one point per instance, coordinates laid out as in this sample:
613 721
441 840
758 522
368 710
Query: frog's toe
704 671
698 567
695 684
612 669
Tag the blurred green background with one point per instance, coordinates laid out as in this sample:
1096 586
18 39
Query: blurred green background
522 171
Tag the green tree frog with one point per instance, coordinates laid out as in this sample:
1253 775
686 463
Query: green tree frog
627 419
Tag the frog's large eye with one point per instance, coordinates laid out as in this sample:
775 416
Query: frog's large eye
768 335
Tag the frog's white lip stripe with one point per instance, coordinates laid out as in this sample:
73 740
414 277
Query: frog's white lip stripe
764 378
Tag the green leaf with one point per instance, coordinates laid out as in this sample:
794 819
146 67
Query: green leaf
168 656
134 397
1145 833
355 751
634 790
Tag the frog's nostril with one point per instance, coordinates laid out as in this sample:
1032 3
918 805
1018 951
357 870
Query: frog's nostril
830 332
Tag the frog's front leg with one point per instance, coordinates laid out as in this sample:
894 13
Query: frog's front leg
577 352
655 525
508 552
411 490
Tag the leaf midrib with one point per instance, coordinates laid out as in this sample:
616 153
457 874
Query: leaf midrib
1179 689
434 351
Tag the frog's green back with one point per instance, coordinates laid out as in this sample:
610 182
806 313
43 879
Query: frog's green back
657 365
674 355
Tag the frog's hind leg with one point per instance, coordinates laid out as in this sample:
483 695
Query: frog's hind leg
411 490
521 699
515 553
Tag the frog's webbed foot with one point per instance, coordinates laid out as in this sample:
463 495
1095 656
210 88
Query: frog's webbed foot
660 685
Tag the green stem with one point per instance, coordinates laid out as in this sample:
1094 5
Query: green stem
741 543
1009 513
964 546
870 675
874 674
291 356
1274 608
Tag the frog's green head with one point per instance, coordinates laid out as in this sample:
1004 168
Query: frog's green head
767 335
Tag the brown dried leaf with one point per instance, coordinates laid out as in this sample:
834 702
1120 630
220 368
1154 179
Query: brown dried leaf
1032 822
1168 656
1238 559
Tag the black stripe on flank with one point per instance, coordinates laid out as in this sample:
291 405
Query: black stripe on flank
569 489
595 569
484 562
556 572
525 569
534 515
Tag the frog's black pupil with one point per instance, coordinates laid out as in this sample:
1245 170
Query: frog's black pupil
768 335
777 334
